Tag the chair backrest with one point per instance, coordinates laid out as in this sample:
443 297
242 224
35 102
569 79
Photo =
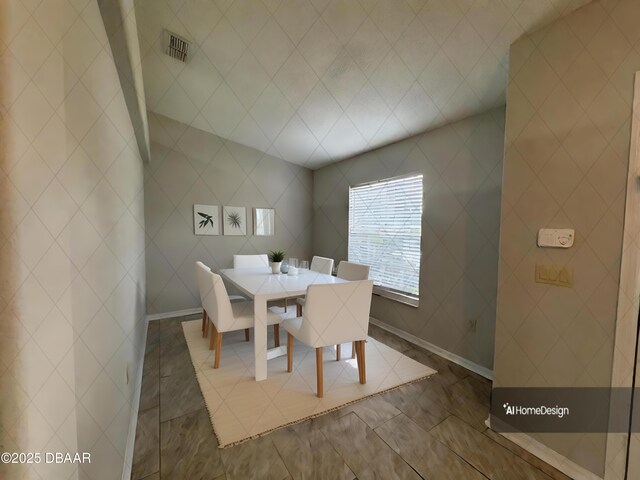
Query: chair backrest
321 265
337 313
250 261
214 297
353 271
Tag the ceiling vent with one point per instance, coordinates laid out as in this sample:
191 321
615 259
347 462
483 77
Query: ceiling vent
177 47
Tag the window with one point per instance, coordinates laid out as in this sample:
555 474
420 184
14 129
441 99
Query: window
385 226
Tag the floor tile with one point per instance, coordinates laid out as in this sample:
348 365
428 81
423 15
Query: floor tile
188 448
487 456
528 457
428 457
257 459
373 411
150 391
366 454
308 454
179 394
146 453
416 402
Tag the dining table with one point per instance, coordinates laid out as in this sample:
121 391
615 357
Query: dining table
262 286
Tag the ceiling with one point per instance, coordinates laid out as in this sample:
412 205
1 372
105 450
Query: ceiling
317 81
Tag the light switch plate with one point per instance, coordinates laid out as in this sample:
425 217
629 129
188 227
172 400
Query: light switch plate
552 275
556 237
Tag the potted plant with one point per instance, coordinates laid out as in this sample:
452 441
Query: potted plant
276 258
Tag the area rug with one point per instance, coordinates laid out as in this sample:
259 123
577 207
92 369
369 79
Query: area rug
241 408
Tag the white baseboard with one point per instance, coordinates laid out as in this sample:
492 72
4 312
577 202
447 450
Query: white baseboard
177 313
463 362
133 421
549 456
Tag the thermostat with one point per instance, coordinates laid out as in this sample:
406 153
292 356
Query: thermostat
556 237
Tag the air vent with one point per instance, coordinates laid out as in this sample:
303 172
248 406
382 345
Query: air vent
177 47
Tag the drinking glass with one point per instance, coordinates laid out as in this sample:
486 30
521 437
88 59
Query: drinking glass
293 266
304 265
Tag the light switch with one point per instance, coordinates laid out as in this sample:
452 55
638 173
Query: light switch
552 275
556 237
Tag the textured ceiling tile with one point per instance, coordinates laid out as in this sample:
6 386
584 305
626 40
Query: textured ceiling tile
320 47
344 17
223 111
464 47
200 80
247 79
344 139
392 18
247 17
457 49
417 111
296 17
368 47
223 46
295 79
199 17
368 111
319 111
272 47
296 140
440 17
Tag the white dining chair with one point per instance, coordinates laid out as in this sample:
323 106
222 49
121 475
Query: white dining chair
250 261
334 314
352 271
256 261
320 265
224 315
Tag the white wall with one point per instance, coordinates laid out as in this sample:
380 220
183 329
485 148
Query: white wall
462 168
190 166
71 241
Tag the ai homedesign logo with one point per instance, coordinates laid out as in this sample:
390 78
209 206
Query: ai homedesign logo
544 410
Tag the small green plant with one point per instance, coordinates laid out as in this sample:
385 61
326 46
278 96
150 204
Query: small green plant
276 256
234 220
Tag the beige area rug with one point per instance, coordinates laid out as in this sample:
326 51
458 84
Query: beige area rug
241 408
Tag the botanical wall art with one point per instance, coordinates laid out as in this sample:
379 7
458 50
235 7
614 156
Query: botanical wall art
264 222
206 219
234 220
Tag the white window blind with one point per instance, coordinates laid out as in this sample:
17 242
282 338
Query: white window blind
385 226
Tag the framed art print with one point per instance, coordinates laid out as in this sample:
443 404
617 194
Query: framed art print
206 219
235 221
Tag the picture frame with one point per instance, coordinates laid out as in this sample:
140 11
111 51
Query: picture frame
234 221
206 219
264 222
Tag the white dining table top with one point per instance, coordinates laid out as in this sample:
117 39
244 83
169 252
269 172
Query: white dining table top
261 282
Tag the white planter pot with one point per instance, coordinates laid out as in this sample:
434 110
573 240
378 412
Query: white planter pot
275 267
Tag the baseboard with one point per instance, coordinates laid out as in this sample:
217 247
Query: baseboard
133 421
177 313
463 362
548 455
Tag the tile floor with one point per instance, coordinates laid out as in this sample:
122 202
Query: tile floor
432 429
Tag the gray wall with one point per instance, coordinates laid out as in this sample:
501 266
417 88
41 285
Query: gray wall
189 166
72 317
568 138
462 167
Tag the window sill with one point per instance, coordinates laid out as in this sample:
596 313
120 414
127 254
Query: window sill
396 297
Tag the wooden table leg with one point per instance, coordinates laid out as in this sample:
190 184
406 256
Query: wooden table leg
338 352
276 335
